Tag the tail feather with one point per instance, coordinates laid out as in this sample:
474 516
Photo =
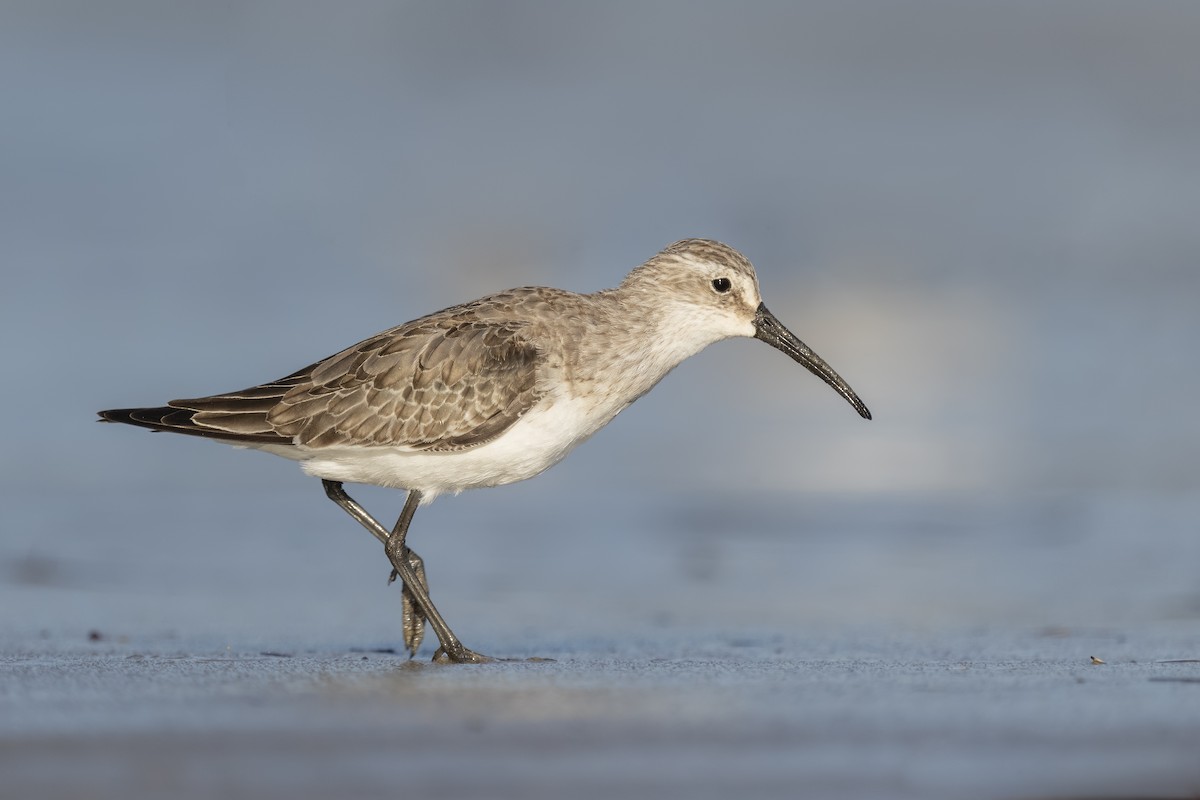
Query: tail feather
243 426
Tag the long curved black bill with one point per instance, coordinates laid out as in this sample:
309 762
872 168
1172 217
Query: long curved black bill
772 331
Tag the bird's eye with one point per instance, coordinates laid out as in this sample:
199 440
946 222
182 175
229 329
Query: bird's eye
721 285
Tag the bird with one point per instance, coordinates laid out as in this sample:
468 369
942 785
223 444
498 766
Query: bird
487 393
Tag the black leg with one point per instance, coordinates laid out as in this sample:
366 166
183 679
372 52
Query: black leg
451 648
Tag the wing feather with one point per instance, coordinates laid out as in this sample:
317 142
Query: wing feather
444 386
449 381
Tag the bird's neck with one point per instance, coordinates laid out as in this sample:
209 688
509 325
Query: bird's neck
634 341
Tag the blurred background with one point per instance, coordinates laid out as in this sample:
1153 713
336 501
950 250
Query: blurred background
984 216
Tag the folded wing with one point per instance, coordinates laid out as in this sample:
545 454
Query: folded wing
436 384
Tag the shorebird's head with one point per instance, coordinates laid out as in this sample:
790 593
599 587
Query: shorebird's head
713 291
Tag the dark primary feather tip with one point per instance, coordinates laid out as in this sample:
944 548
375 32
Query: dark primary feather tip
142 417
174 419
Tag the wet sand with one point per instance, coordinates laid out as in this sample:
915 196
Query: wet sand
868 715
796 647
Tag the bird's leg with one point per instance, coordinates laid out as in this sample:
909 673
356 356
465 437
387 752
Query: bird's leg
412 618
335 492
411 569
451 648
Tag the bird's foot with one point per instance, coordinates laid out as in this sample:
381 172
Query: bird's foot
463 655
412 618
458 654
410 568
412 622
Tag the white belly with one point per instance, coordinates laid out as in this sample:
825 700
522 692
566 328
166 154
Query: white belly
540 439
